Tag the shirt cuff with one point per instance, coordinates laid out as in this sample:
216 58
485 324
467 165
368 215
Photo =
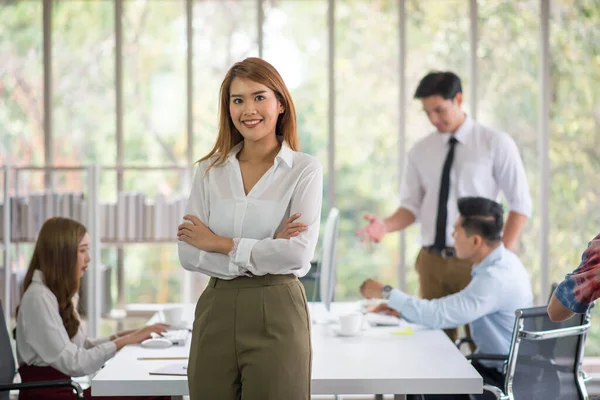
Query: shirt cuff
523 209
397 299
240 255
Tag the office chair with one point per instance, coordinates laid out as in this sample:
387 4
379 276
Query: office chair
8 369
544 362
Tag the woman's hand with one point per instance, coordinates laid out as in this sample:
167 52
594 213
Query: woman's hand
291 229
144 333
195 233
139 335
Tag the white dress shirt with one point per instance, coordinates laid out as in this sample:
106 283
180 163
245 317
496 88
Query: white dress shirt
486 161
42 339
294 184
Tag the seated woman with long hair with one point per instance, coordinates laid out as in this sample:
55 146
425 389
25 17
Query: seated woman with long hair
51 343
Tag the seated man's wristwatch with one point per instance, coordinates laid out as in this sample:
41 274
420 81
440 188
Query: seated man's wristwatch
385 292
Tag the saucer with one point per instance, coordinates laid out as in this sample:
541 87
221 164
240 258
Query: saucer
345 334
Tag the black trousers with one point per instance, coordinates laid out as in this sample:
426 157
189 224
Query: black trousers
491 376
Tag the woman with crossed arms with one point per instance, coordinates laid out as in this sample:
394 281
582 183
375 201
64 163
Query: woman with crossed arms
252 224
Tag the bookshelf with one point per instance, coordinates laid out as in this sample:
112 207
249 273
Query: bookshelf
133 218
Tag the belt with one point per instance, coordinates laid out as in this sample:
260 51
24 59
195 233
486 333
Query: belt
446 252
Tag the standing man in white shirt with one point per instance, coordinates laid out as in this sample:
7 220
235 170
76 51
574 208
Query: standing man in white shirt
461 158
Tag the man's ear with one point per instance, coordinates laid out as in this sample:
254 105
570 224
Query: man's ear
477 240
458 98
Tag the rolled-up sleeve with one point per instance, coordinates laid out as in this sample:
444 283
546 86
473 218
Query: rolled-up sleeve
581 288
271 256
509 172
411 187
44 332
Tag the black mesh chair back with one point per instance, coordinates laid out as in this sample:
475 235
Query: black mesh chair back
545 358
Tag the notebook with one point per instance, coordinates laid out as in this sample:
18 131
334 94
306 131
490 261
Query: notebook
179 369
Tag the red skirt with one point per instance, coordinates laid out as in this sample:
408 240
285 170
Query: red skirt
35 374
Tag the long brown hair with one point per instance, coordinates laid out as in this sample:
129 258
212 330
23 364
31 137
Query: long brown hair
55 254
260 71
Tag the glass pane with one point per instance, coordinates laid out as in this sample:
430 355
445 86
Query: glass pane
225 31
574 135
154 82
437 39
508 97
83 83
153 273
21 83
366 123
295 42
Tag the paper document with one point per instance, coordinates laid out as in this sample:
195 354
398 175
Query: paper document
179 369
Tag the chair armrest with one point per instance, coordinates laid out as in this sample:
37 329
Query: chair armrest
495 391
491 357
43 385
585 376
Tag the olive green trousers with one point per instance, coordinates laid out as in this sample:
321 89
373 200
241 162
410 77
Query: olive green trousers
251 340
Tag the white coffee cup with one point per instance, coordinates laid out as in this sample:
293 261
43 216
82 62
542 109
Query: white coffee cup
351 324
172 315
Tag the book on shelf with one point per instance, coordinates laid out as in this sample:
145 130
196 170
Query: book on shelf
29 212
132 218
135 218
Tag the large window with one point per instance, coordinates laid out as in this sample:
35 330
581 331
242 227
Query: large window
81 43
21 84
366 132
507 93
83 82
574 138
154 54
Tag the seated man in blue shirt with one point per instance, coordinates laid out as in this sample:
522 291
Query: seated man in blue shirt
499 286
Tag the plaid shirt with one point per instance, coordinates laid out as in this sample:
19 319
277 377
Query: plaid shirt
582 287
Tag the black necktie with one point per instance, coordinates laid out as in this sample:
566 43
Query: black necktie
442 214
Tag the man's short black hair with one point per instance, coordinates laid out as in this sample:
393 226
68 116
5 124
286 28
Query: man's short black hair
483 217
446 84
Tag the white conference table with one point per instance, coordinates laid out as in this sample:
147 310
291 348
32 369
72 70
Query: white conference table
378 360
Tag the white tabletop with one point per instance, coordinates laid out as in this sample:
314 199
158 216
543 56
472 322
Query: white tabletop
379 360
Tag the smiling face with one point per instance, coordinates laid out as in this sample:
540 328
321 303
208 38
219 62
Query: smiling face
83 254
254 109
